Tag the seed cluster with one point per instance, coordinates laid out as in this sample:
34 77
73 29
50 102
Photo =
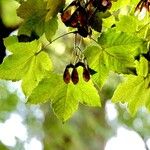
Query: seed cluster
143 4
142 7
79 14
73 75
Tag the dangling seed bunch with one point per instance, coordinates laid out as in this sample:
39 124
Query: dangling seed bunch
71 70
79 14
71 73
142 7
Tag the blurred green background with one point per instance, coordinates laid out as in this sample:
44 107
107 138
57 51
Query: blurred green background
34 127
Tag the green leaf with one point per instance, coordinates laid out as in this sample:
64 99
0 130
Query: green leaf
54 7
51 27
27 62
10 41
64 97
135 91
119 42
132 25
142 67
128 23
108 22
34 15
96 61
119 4
112 40
122 4
9 7
64 103
115 52
39 67
86 93
45 89
15 66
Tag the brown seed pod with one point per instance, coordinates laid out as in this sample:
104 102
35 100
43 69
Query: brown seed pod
86 74
74 76
66 76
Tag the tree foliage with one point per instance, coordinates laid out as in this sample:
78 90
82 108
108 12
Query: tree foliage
122 46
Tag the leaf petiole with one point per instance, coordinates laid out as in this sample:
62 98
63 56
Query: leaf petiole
59 38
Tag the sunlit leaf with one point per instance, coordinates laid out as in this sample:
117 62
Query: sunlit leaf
134 91
27 63
54 7
131 25
9 7
142 67
34 15
115 52
128 24
64 97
